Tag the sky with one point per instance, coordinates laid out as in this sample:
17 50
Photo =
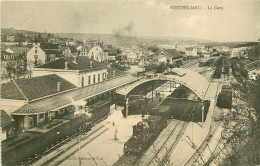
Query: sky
238 21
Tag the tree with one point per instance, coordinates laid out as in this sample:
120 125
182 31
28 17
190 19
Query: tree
153 48
39 38
3 38
161 67
10 69
35 39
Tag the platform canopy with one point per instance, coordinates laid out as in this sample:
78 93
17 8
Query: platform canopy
191 79
73 97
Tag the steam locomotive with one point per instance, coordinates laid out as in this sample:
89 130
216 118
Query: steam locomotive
145 132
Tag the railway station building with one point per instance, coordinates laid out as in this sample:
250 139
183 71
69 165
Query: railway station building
39 100
79 70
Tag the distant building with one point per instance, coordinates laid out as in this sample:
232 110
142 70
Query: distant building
241 52
67 52
10 43
10 38
170 56
24 43
8 63
97 53
70 51
36 55
70 43
81 71
191 51
130 55
112 54
52 40
167 46
12 60
51 50
204 52
83 50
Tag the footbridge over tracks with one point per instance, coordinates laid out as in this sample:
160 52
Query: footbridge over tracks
188 78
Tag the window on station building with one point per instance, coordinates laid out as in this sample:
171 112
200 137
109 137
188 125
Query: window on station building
35 51
98 77
89 80
104 77
94 79
82 82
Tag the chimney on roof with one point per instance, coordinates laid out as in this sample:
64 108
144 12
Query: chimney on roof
58 86
91 63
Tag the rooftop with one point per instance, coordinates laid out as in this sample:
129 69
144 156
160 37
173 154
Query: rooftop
77 63
19 50
173 53
66 98
35 87
5 118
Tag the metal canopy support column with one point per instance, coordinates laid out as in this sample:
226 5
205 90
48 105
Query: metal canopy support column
126 105
202 111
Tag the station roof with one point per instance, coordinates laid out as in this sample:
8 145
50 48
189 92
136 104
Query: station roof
5 118
69 97
191 79
129 88
74 63
35 87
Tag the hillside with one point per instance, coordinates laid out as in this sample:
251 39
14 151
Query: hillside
114 39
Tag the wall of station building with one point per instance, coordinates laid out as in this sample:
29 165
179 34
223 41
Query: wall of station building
76 78
92 77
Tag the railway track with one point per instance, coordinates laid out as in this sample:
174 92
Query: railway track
191 64
64 156
195 157
199 150
159 156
